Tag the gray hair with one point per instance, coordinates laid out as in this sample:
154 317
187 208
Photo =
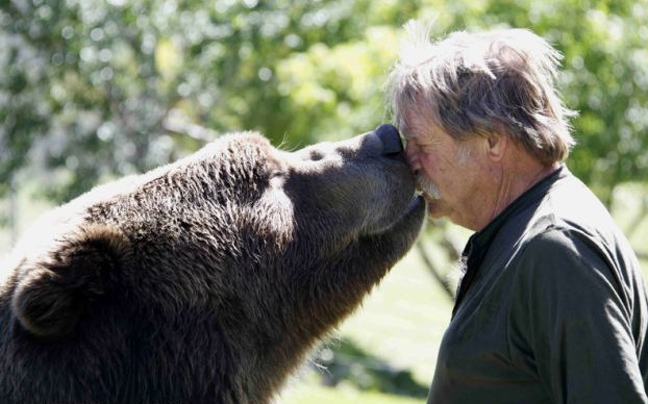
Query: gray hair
500 81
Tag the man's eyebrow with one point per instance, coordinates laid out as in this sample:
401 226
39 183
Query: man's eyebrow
407 131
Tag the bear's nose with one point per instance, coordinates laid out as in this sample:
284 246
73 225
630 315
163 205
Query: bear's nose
390 139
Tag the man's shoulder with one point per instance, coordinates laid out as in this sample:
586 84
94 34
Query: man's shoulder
571 230
565 207
571 208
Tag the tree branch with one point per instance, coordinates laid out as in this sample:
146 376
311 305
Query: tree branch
443 281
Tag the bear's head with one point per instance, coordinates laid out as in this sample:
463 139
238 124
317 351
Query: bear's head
214 274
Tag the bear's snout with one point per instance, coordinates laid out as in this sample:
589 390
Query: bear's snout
390 140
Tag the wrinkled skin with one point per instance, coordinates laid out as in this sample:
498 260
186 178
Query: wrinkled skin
204 281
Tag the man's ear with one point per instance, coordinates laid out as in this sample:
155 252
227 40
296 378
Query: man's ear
53 292
497 145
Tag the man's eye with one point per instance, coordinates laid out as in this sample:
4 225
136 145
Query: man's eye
412 143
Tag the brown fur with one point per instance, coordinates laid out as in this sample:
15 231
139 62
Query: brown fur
207 280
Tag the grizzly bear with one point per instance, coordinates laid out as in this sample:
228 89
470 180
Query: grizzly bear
204 281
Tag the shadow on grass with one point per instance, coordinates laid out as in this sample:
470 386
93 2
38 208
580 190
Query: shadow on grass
344 361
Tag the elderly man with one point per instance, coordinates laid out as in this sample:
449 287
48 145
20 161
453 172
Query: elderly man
552 307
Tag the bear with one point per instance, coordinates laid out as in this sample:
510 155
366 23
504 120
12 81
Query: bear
208 280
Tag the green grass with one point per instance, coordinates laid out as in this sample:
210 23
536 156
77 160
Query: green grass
312 393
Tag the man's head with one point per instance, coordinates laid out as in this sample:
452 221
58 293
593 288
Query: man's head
477 109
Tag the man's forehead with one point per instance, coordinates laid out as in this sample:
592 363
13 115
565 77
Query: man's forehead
410 125
414 124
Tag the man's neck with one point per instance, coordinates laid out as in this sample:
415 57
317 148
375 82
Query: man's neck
517 176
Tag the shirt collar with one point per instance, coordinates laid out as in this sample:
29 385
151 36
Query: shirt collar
484 237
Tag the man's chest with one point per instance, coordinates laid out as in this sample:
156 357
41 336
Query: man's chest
484 353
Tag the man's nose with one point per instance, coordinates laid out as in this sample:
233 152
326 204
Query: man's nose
390 139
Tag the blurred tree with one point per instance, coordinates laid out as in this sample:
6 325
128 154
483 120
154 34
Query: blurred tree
95 88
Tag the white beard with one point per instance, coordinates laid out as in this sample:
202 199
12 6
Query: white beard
428 187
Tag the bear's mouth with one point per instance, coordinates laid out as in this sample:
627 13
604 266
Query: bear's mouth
417 203
414 213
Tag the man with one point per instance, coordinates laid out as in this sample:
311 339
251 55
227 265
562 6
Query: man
552 307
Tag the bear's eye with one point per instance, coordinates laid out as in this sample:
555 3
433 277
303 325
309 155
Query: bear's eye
316 155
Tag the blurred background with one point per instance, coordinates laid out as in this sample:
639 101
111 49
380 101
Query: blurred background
91 90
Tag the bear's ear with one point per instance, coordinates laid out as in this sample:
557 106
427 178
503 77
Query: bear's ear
52 293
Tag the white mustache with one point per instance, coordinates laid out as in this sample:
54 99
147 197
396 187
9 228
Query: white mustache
428 187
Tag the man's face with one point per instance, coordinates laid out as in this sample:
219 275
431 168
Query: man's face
453 173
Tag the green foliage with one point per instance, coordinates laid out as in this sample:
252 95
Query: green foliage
98 88
88 87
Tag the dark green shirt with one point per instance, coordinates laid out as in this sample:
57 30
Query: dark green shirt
552 309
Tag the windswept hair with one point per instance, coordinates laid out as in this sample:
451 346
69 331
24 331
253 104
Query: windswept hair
499 81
